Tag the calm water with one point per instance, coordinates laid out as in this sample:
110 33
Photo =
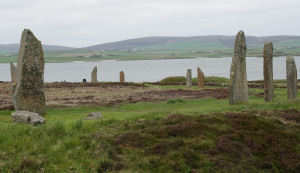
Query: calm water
151 70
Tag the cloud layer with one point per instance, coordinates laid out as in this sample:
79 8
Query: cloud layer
86 22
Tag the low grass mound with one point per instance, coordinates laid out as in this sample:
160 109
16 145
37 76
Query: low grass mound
173 79
182 79
217 80
220 142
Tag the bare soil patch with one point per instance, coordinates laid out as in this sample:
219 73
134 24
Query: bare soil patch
107 94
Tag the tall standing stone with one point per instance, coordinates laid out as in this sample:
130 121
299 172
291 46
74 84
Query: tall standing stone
29 93
291 71
268 72
122 77
13 72
201 78
238 87
94 75
189 78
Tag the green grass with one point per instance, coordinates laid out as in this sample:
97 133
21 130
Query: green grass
140 138
182 79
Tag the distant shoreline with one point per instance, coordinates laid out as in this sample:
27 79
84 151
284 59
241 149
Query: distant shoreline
74 59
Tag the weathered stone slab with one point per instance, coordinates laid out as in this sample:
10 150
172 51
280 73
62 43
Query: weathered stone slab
122 77
238 87
201 78
268 72
291 72
94 78
94 116
29 94
13 72
27 117
189 78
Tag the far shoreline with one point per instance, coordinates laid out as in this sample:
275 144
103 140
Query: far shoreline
82 60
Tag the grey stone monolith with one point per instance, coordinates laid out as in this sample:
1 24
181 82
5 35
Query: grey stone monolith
201 78
29 93
94 78
122 77
238 86
268 72
189 78
13 72
291 72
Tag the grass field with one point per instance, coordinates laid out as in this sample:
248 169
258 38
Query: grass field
172 136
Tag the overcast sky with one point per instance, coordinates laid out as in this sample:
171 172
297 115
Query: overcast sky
81 23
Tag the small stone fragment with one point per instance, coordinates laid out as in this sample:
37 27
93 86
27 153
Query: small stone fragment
94 116
27 117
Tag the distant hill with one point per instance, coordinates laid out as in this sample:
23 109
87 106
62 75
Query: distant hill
14 48
165 48
197 42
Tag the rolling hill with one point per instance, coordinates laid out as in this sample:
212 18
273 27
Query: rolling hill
197 42
13 48
161 48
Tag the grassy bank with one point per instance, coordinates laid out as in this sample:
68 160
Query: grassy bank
202 135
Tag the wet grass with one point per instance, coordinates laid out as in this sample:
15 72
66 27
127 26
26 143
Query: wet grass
202 135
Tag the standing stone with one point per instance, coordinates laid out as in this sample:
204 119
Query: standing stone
201 78
13 72
29 93
291 72
189 78
122 77
238 87
94 75
268 72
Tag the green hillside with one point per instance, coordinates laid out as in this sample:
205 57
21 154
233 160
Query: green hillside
164 48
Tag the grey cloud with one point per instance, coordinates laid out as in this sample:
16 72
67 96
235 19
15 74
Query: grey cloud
86 22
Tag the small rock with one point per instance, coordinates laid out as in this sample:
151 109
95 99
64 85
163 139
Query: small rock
94 116
28 117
